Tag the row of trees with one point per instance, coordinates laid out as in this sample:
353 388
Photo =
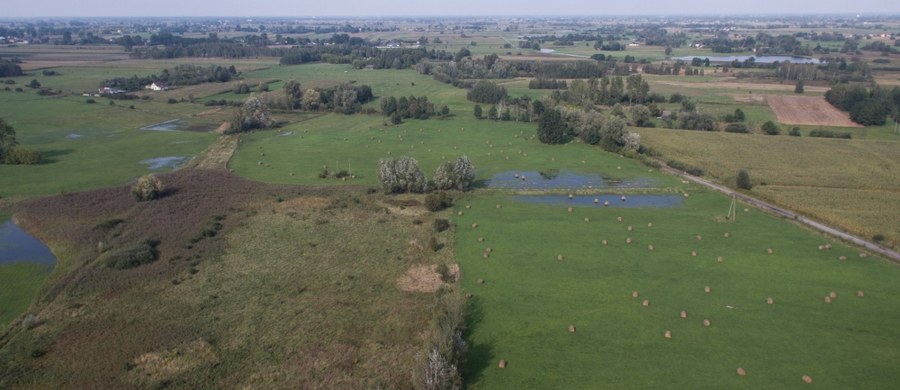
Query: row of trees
404 175
486 92
410 107
867 106
542 83
184 74
593 128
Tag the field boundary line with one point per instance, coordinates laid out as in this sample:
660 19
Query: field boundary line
785 213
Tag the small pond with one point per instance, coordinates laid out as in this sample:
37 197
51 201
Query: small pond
760 59
169 125
18 246
631 200
564 179
168 162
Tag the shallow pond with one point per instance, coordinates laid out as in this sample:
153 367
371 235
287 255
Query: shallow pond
631 200
18 246
564 179
760 59
168 162
170 125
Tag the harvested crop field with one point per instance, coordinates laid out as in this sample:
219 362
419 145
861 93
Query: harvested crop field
808 110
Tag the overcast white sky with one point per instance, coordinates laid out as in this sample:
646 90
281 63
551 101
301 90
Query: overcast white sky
439 8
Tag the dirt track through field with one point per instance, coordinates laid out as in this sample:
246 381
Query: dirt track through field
737 86
807 110
217 155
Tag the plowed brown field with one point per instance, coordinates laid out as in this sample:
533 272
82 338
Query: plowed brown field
807 110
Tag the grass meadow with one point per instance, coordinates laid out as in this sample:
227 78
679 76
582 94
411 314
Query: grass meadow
522 311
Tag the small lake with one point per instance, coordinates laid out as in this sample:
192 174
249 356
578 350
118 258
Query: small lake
564 179
18 246
760 59
168 162
631 200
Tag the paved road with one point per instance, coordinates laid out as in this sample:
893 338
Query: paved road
773 209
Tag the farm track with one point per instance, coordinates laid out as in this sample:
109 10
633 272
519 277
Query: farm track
782 212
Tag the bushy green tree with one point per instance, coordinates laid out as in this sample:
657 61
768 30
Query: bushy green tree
552 128
7 139
743 180
458 175
401 175
147 188
478 112
770 128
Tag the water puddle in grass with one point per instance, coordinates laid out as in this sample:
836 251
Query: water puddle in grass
564 179
18 246
631 201
170 162
169 125
286 134
74 136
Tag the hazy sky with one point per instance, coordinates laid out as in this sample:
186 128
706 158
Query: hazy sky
430 7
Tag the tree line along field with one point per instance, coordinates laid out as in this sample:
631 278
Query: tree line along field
547 269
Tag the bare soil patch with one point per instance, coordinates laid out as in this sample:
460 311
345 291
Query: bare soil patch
425 278
808 110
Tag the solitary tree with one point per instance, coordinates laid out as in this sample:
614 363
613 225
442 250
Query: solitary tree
743 180
551 128
458 175
770 128
401 175
799 87
7 139
293 94
147 187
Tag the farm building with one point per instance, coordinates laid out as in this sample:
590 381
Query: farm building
158 86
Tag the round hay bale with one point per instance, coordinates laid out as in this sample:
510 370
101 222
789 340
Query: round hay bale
707 289
291 174
860 293
863 255
605 203
770 301
668 334
480 239
571 196
571 328
741 371
468 206
686 195
488 250
486 255
596 200
628 240
499 206
623 198
502 364
683 314
645 303
480 281
459 213
559 258
719 259
570 209
604 242
635 294
468 295
474 225
586 219
706 323
746 210
630 228
807 379
832 294
842 258
727 234
827 299
827 246
619 219
693 253
699 237
649 224
821 247
650 247
770 251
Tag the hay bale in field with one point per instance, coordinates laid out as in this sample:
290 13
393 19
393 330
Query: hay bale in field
468 206
604 242
686 195
650 247
635 294
719 259
821 247
628 240
827 299
645 303
827 246
502 364
770 251
499 206
570 209
571 328
832 294
706 323
586 219
480 281
486 255
807 379
559 258
291 174
683 314
488 250
596 200
860 293
699 237
693 253
571 196
770 301
727 234
649 224
468 295
863 255
619 219
480 239
668 334
842 258
630 228
460 213
707 289
741 371
605 203
623 198
474 225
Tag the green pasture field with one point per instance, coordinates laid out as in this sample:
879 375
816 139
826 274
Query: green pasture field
331 140
846 183
20 281
522 311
